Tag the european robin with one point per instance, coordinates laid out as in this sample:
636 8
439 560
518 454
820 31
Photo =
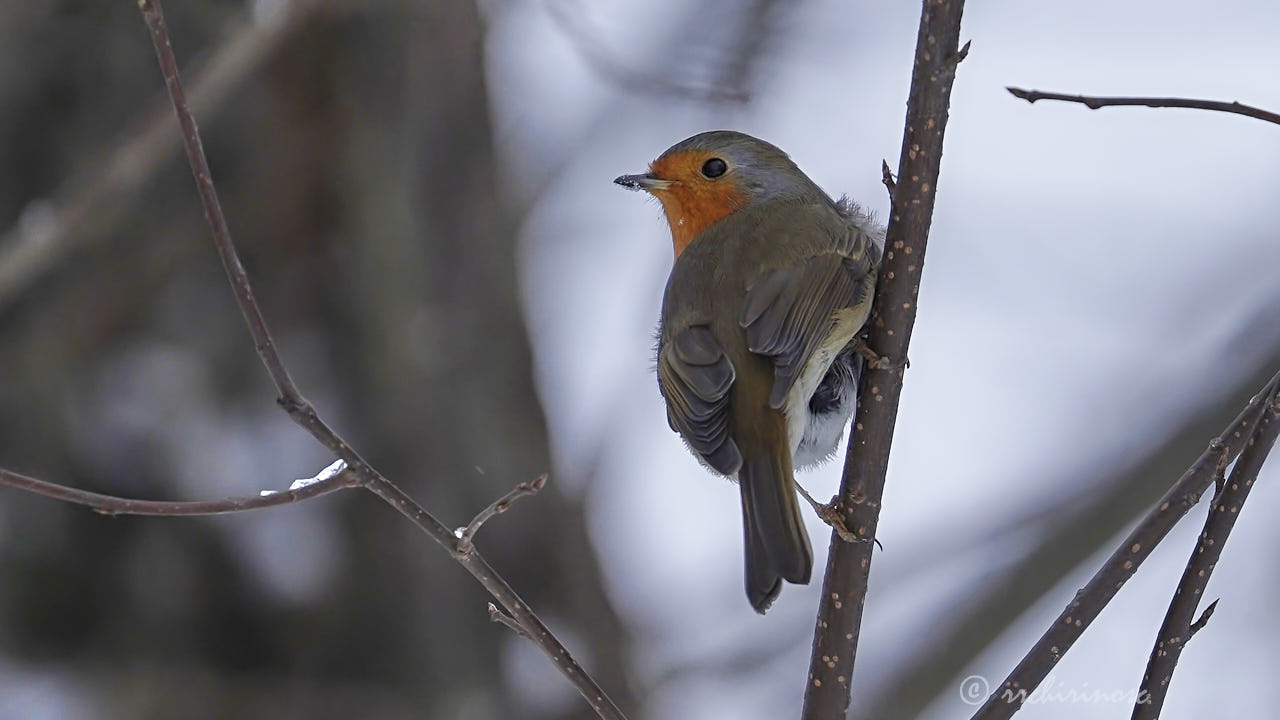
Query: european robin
772 282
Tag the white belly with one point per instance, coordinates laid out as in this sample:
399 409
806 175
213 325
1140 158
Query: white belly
847 321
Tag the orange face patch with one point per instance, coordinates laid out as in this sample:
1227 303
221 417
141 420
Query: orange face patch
693 202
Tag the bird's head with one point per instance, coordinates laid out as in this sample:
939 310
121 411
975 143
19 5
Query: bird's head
705 178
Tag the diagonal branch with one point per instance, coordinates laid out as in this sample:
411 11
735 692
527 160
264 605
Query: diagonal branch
844 587
1179 622
1093 103
305 415
1124 562
1077 532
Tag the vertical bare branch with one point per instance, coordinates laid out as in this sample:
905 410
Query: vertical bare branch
844 587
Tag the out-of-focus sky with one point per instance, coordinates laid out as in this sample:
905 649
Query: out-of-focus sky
1093 277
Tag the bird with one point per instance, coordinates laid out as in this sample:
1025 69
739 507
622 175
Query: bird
758 353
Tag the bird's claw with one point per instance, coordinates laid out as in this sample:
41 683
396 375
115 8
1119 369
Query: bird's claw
876 361
830 514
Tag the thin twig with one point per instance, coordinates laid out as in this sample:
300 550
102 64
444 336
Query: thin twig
497 507
844 587
112 505
1124 562
1178 620
305 415
1093 103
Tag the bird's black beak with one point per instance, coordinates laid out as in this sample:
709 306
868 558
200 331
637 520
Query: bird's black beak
646 181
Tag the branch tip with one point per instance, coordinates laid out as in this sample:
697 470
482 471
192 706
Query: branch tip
496 615
1203 620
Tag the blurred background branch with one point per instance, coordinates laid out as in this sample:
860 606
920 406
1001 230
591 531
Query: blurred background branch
729 87
91 202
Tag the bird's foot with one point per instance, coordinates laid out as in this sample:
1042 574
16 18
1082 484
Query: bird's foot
875 360
830 514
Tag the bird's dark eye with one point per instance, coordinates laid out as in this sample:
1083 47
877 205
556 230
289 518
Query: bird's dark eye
714 168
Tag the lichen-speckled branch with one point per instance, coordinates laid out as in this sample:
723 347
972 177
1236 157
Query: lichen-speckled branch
1125 561
1179 622
844 587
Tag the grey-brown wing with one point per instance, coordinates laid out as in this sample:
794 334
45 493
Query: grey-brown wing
695 375
789 312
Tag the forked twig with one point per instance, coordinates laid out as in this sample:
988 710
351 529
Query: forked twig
497 507
1125 561
1178 625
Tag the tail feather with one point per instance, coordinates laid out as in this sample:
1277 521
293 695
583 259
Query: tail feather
775 540
763 582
